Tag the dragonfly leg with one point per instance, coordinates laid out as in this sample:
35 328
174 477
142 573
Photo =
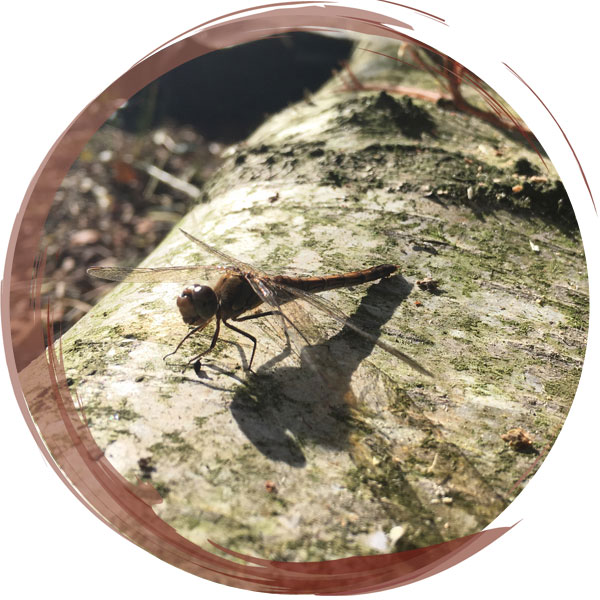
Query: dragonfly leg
212 345
256 315
284 318
246 334
187 335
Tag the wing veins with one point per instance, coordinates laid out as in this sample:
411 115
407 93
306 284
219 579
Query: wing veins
330 309
263 290
219 253
153 274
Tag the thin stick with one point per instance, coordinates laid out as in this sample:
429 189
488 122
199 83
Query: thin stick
174 182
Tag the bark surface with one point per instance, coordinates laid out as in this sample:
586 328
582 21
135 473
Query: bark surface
363 454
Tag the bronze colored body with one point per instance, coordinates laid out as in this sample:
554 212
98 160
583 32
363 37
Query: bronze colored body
242 288
332 282
236 295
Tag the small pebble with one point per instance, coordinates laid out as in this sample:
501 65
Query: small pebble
396 533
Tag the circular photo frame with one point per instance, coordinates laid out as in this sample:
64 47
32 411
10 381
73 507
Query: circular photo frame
412 337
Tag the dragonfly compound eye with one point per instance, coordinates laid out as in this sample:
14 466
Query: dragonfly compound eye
197 303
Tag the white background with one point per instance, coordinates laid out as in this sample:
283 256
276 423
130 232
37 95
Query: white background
58 56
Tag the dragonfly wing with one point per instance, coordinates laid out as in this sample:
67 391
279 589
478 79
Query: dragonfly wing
290 326
334 312
220 254
155 274
180 274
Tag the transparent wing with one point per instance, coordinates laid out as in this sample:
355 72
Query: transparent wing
286 292
156 274
289 323
222 255
180 274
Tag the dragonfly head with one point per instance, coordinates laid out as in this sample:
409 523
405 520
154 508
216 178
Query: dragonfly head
197 304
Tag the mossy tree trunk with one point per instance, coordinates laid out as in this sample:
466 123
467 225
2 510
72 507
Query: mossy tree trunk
278 464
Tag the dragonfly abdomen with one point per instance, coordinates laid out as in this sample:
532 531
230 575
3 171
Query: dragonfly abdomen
331 282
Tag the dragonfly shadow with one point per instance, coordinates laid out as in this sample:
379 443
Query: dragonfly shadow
284 410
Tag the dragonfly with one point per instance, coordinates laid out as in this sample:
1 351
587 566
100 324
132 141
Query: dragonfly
242 288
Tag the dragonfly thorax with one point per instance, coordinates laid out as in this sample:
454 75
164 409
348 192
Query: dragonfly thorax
197 303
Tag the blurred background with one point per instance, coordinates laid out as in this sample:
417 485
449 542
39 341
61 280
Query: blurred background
144 169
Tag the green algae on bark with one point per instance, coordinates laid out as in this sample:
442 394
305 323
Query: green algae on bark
336 184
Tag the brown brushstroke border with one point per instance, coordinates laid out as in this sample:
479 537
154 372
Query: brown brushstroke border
40 382
585 179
